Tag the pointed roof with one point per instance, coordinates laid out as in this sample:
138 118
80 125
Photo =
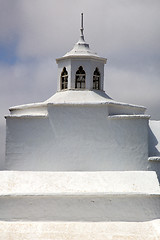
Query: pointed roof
81 48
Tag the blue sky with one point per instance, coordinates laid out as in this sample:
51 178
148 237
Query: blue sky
34 33
8 53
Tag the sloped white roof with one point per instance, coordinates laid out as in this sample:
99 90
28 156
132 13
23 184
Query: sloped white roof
81 49
72 97
86 97
79 96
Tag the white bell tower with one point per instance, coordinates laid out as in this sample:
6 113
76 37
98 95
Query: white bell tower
80 69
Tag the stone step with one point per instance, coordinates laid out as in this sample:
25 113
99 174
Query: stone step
87 207
32 183
80 230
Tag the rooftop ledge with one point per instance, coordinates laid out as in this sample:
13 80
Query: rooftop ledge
81 55
27 116
83 194
45 104
154 159
129 116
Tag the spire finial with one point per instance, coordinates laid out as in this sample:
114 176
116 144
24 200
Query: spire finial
82 28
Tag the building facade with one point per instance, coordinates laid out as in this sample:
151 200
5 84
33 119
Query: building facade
81 164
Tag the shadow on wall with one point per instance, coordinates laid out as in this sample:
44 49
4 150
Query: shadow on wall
154 151
2 146
127 208
152 143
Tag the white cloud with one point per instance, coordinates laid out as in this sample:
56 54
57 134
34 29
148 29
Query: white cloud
141 88
9 18
47 28
133 25
23 83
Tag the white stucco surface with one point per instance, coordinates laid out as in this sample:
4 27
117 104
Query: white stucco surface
21 182
80 230
80 138
72 65
79 196
128 207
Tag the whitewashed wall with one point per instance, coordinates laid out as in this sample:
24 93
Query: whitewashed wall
89 66
77 138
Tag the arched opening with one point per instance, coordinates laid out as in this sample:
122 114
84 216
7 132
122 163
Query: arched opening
80 78
96 79
64 79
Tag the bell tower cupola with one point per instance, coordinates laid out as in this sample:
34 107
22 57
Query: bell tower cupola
80 69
